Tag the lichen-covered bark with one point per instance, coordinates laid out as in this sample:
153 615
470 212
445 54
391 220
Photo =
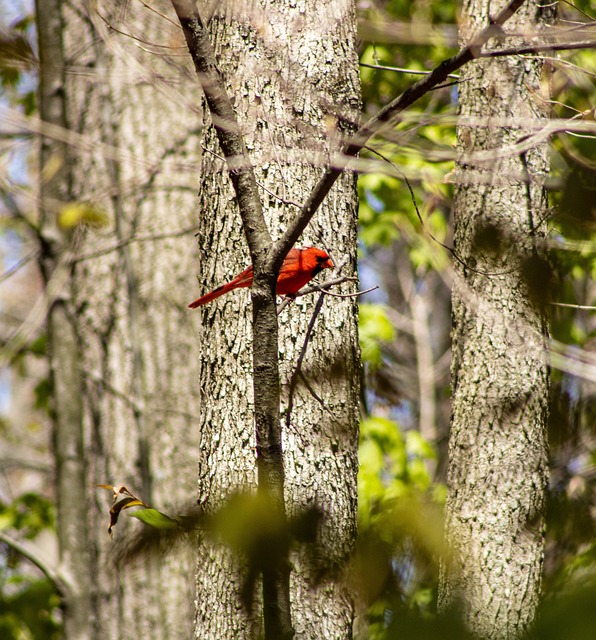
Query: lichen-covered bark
498 449
291 72
136 335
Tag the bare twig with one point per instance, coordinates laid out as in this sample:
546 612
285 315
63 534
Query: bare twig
111 27
262 186
15 210
573 6
413 72
528 142
324 286
356 294
30 124
159 13
320 287
584 307
317 397
293 203
297 369
537 48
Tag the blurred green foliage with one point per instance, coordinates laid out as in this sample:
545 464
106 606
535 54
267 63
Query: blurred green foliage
375 329
17 59
29 513
29 605
28 609
400 524
392 467
396 565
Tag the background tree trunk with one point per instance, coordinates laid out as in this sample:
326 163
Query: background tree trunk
132 282
498 449
63 343
291 73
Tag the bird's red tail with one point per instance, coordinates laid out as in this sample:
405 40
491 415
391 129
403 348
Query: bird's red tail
244 279
220 291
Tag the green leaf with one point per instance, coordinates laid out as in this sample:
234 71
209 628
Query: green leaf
155 518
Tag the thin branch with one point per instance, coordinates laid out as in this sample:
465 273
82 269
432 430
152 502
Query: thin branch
161 15
572 5
126 241
30 124
298 368
8 462
34 556
429 233
319 287
280 198
134 405
315 395
325 285
341 163
19 265
388 116
528 142
111 27
537 48
356 294
262 186
323 288
15 210
412 72
318 398
585 307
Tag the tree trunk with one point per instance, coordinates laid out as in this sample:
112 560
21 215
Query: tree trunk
132 282
63 342
498 448
291 73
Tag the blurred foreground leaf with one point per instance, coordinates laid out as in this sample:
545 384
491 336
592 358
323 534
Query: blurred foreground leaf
78 213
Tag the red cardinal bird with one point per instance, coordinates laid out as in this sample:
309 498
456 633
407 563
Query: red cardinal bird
299 267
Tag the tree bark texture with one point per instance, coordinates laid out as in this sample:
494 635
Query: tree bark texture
500 383
62 335
137 105
291 72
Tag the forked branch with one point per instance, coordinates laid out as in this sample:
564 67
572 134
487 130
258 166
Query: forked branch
388 116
